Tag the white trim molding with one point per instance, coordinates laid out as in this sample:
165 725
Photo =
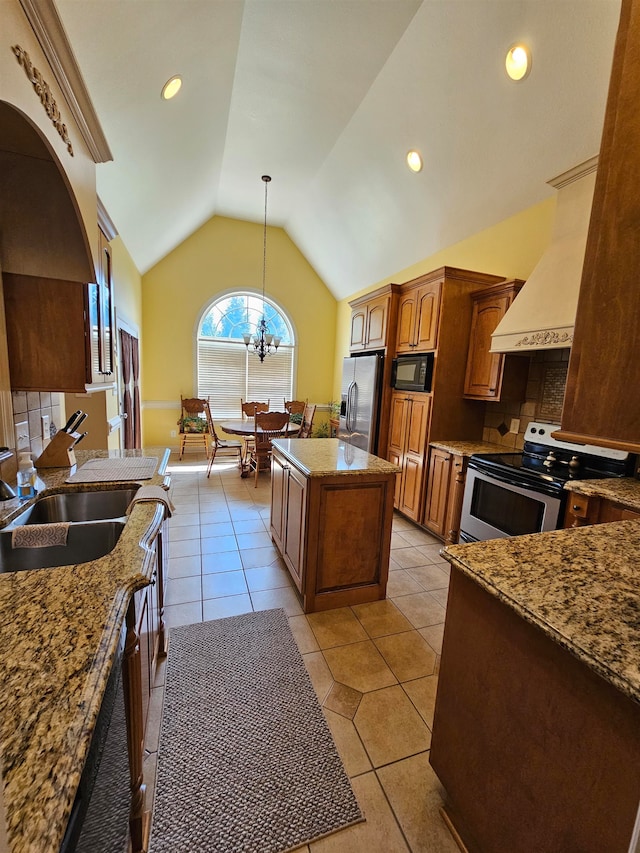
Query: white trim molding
47 26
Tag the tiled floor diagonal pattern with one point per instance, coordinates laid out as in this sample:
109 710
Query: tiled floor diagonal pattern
373 666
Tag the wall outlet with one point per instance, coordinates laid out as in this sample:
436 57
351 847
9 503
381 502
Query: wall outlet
173 433
515 425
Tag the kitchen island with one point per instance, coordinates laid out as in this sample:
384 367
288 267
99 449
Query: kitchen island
536 735
59 631
331 516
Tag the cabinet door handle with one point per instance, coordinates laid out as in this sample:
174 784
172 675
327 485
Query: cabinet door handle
576 507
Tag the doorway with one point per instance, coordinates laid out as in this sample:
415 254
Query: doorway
130 389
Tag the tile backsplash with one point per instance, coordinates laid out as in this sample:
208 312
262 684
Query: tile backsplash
29 407
543 400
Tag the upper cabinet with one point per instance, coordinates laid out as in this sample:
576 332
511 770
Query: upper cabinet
373 319
601 401
60 333
490 375
418 308
45 333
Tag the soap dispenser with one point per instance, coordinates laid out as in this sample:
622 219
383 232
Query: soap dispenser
26 477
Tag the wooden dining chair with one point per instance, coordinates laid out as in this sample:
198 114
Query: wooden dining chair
221 445
307 421
193 426
295 407
267 426
249 410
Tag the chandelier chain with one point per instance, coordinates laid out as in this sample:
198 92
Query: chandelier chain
263 343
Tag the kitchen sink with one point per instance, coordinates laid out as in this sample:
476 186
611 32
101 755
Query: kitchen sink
86 540
90 505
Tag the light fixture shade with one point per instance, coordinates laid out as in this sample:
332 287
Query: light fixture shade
518 62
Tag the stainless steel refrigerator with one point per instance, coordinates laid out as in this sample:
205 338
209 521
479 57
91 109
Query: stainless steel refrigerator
360 401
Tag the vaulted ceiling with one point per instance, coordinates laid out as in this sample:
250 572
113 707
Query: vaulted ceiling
327 96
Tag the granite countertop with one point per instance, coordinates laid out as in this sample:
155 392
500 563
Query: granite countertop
625 490
579 586
322 457
59 629
466 448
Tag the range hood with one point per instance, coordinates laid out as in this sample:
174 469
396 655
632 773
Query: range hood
543 314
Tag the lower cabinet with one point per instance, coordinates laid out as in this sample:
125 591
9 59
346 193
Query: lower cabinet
288 511
445 489
144 645
333 531
592 509
408 432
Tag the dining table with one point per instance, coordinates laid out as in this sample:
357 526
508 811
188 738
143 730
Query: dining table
246 430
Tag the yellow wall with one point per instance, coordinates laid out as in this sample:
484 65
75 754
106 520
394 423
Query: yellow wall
127 285
223 255
512 248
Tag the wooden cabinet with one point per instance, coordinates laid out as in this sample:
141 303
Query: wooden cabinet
409 427
45 333
547 792
601 404
373 319
60 333
144 645
445 488
418 310
493 376
592 509
332 528
434 313
288 506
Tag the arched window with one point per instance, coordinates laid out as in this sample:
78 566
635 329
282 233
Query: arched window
227 370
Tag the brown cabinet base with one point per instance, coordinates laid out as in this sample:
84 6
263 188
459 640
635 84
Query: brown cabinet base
535 751
334 533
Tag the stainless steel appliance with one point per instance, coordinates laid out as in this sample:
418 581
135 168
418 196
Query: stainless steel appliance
360 401
99 820
510 494
413 372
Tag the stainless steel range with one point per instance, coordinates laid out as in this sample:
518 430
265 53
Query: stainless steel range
510 494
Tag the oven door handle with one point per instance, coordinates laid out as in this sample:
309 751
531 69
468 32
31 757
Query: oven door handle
525 485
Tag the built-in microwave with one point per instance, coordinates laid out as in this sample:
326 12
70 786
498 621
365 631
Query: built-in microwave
412 372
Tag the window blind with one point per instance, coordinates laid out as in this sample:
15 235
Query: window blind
228 372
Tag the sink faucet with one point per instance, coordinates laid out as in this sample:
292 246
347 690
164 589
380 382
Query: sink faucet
6 492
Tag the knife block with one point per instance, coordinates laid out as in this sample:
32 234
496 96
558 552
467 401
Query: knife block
59 452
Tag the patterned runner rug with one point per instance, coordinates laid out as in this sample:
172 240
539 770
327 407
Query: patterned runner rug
246 761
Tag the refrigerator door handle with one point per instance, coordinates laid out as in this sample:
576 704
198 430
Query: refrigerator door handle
353 405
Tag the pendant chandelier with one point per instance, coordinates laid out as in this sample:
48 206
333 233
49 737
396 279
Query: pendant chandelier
263 342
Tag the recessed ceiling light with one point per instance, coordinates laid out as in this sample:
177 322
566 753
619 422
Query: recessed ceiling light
518 61
171 87
414 161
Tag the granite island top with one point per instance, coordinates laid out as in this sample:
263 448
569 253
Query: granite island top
467 448
579 586
59 629
322 457
623 490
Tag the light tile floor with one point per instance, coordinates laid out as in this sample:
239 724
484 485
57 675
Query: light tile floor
374 666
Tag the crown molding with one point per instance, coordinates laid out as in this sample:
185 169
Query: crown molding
105 222
47 26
